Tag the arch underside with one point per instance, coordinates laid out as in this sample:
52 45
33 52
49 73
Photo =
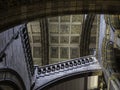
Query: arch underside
67 78
16 12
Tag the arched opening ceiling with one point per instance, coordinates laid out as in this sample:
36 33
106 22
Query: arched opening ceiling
64 37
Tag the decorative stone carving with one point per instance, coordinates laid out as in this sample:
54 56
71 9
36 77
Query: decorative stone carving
65 18
37 52
64 52
77 18
53 19
64 29
54 28
54 39
74 40
74 52
75 29
54 52
35 29
36 39
93 39
64 39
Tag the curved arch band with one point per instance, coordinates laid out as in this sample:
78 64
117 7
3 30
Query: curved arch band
54 73
19 11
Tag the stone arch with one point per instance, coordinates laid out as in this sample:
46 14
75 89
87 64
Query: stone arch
11 78
17 12
8 84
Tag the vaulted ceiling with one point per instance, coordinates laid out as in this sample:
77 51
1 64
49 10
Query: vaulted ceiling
64 37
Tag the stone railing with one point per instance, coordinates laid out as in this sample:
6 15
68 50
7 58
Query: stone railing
52 73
